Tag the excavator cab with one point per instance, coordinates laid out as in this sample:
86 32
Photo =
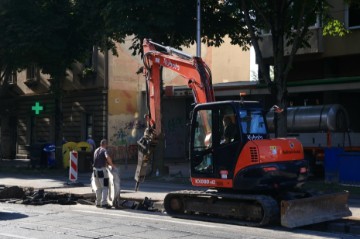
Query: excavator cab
219 132
230 148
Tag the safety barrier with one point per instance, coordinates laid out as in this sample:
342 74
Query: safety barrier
73 169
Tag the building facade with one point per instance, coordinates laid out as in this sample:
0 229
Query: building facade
106 102
126 100
27 108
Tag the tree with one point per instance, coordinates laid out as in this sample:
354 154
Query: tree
171 23
288 22
52 34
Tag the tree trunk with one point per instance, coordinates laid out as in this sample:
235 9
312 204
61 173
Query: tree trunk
281 117
279 76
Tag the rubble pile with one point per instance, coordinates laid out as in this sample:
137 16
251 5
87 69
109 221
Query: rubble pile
29 196
11 192
146 205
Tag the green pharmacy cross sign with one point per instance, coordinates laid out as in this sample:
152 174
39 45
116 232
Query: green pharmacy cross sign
37 108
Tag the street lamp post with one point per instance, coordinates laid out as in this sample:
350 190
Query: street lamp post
198 29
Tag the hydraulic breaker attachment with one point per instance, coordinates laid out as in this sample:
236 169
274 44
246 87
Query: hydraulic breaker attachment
146 147
141 169
314 209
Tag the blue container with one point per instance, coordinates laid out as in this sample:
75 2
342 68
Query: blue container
50 154
331 164
349 168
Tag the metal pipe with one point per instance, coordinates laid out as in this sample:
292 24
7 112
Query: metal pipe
314 118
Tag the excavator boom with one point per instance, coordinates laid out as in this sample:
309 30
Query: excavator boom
195 73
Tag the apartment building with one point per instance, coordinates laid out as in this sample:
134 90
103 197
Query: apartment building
106 99
27 107
127 106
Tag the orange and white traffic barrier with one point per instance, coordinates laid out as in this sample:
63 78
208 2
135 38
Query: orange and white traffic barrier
73 169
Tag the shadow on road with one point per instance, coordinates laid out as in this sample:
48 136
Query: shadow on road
11 216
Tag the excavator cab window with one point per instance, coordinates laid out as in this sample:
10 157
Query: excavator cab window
215 134
203 140
252 122
203 135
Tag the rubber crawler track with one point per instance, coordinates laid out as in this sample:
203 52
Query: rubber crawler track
265 205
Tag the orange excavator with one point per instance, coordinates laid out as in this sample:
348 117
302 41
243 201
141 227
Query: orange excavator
249 178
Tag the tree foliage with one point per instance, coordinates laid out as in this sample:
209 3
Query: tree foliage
172 22
53 34
288 21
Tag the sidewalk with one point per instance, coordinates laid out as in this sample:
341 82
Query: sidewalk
57 180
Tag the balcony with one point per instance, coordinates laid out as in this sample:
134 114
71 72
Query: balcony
315 42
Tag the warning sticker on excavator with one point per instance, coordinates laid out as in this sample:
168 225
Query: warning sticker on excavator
273 150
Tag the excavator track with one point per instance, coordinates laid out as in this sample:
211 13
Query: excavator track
244 209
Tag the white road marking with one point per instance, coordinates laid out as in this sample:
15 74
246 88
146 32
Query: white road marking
15 236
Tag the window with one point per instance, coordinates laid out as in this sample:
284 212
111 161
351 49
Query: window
89 125
12 78
352 16
203 135
227 125
252 122
31 73
92 60
203 161
317 22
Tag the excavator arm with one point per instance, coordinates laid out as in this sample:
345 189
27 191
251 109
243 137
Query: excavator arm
196 74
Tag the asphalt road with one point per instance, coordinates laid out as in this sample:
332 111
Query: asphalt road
150 187
82 221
